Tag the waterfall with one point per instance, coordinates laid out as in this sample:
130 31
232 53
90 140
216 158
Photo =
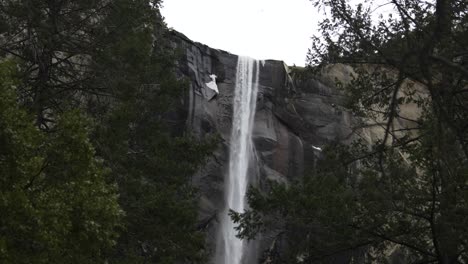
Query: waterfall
231 249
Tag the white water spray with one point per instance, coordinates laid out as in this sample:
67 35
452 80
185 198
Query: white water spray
245 100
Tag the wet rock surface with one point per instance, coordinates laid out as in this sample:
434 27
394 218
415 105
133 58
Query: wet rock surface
290 120
294 118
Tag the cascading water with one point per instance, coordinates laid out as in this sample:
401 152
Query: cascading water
231 249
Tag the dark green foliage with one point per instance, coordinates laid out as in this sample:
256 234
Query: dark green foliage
56 204
95 83
299 211
405 194
152 164
153 169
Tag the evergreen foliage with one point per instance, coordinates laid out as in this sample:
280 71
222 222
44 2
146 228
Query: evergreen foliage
56 203
93 167
407 193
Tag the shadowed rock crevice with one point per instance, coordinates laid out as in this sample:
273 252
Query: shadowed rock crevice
293 119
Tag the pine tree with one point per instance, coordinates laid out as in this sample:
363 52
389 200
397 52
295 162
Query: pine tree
57 205
407 191
109 66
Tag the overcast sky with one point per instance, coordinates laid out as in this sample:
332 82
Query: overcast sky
262 29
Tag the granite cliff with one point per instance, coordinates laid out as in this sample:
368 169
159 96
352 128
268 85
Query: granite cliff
295 117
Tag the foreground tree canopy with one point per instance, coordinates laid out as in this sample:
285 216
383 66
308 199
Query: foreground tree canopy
90 170
405 195
56 203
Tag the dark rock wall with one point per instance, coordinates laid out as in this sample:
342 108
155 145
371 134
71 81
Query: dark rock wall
292 119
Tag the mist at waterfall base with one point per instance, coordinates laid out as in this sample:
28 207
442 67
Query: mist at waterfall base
230 249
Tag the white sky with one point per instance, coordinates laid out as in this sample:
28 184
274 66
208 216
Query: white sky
262 29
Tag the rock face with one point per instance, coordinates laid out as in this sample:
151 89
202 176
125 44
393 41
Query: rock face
294 119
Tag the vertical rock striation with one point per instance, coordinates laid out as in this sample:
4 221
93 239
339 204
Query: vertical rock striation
283 138
294 117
